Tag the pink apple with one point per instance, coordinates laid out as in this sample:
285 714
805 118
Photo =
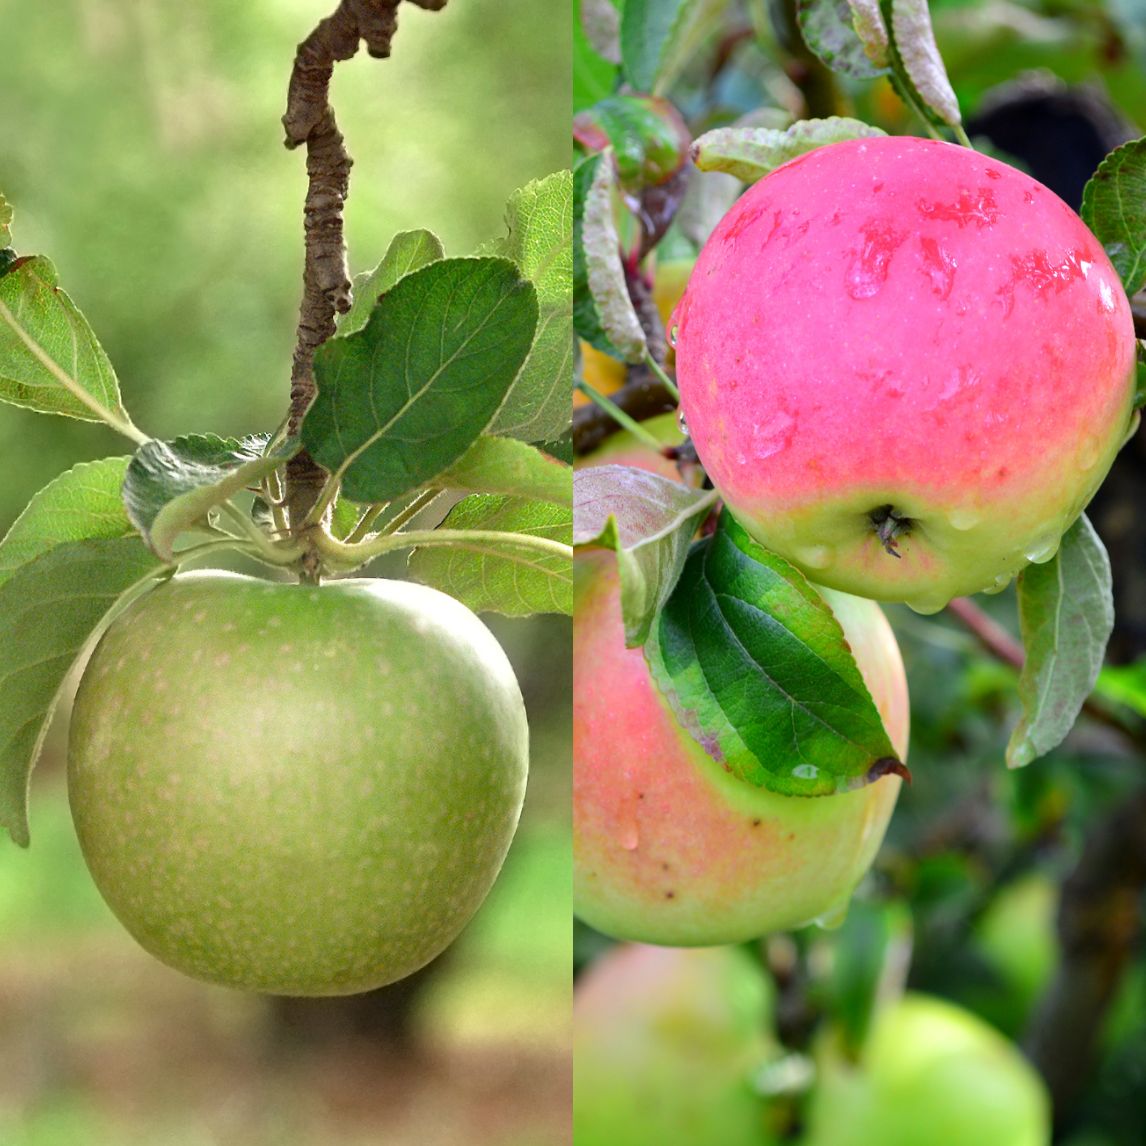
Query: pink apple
665 1043
904 333
669 847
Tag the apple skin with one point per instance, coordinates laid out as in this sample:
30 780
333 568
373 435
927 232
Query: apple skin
296 790
929 1072
905 323
670 848
664 1044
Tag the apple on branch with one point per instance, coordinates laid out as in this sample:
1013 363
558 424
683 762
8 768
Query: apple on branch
294 789
668 847
906 366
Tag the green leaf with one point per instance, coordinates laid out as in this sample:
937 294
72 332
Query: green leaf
501 465
408 251
603 313
830 30
1066 615
593 76
649 522
867 19
170 486
43 336
403 398
344 517
496 577
49 609
1114 208
871 956
5 222
1124 684
559 448
540 242
82 504
916 59
659 37
756 667
750 153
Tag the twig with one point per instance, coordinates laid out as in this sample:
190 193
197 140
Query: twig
309 120
987 631
1000 644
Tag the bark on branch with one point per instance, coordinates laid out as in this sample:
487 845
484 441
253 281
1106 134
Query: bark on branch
309 121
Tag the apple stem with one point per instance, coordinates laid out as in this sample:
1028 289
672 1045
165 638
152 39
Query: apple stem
309 121
344 555
618 415
665 380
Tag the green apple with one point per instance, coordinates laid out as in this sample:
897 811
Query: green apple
623 449
668 846
664 1045
291 789
906 367
930 1073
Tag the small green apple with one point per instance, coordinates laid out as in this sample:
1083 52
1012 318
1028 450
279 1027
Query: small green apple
906 367
668 846
297 790
930 1073
623 449
664 1044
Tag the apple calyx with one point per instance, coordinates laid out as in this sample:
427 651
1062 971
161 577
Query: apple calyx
889 527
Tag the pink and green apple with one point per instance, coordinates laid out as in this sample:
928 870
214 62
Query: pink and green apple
665 1042
669 847
906 366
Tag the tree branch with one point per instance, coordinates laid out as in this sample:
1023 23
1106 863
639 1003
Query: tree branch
309 121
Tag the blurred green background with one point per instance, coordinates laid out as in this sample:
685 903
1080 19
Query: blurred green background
1020 896
141 147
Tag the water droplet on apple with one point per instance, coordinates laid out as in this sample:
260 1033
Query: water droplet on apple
814 556
673 333
997 585
833 918
963 519
927 605
1091 449
629 837
682 423
1042 551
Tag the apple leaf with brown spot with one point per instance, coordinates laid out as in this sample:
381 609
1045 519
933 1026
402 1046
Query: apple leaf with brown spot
757 669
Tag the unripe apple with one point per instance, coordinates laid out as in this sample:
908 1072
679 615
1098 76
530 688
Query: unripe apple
933 1073
623 449
293 789
906 366
669 847
664 1045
